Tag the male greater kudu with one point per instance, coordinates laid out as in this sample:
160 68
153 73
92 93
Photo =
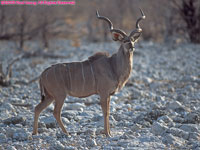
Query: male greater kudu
101 74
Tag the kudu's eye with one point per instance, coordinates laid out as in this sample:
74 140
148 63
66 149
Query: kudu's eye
128 45
131 46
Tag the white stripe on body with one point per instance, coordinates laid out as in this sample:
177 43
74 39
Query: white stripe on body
83 77
55 74
46 76
41 87
92 74
70 78
62 78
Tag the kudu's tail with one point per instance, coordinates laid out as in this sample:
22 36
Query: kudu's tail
42 93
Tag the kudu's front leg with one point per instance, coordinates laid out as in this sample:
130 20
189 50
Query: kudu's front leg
105 105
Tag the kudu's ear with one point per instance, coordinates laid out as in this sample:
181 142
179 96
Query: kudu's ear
138 31
117 36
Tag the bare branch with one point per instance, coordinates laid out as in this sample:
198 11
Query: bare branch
9 67
22 105
176 4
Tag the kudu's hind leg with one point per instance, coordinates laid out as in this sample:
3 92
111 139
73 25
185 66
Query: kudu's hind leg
38 109
57 113
105 105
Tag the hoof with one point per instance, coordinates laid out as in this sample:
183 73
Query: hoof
108 135
66 133
34 133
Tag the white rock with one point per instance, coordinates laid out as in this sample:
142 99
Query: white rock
69 114
50 108
194 136
9 107
15 120
175 105
128 106
136 127
20 135
11 147
180 133
154 85
2 138
57 145
155 106
160 98
192 118
135 93
170 139
50 122
41 125
90 132
158 128
139 108
165 118
70 148
181 98
189 128
91 142
10 132
75 106
123 143
147 80
65 120
178 119
16 100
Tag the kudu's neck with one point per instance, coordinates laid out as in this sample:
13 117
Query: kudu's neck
122 64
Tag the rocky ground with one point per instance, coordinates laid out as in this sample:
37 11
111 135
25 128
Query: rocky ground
159 108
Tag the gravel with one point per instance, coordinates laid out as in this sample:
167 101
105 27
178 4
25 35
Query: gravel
159 108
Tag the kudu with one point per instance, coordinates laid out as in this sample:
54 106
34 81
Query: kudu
101 74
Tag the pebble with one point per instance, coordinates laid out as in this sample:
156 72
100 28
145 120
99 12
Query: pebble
147 80
75 106
20 135
14 120
69 114
90 132
135 93
192 118
57 145
9 107
3 138
11 147
189 128
10 132
50 122
136 127
91 142
176 105
194 136
165 118
158 128
178 132
172 140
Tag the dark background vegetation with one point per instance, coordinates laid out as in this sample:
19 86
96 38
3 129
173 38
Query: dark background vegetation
168 21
